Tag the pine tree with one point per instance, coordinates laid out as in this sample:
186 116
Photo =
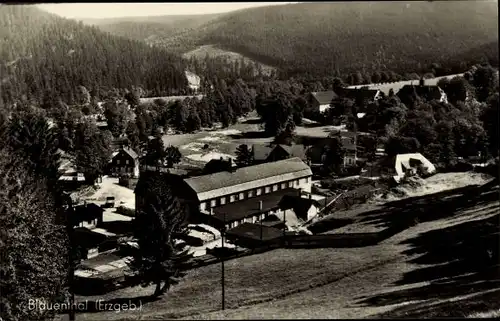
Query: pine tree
160 218
244 156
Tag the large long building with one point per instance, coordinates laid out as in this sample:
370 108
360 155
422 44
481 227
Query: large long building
246 183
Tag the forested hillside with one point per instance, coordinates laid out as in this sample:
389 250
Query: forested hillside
151 29
43 55
351 37
364 37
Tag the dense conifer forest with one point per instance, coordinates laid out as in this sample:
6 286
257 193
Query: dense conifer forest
338 39
42 54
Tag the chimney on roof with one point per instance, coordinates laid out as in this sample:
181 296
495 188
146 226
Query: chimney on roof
211 211
260 205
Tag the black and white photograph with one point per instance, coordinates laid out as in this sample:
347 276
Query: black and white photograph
249 160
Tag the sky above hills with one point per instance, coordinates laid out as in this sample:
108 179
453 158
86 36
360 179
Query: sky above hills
114 10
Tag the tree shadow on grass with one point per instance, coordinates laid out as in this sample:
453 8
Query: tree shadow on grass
251 135
460 260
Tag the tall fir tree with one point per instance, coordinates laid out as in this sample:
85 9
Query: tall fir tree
160 221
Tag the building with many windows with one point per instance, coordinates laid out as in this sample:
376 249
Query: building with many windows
249 184
125 162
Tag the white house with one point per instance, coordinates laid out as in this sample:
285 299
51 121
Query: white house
409 162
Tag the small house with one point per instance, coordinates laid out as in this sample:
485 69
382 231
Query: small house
427 92
321 100
303 208
87 215
316 152
272 153
411 164
125 162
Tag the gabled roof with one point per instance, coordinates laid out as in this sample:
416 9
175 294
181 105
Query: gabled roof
130 152
325 97
261 152
295 150
245 178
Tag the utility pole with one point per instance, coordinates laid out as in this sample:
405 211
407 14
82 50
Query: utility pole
69 226
222 260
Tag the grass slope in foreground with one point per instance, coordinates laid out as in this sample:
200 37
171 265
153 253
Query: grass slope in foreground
417 272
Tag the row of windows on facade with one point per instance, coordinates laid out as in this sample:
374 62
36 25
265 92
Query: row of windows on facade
124 170
252 193
126 162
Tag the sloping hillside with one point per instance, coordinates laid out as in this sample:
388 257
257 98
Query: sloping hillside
43 55
353 36
151 29
325 38
436 265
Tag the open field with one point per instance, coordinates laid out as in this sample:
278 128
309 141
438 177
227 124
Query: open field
439 256
396 86
223 142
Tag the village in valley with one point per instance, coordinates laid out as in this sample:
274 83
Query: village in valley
218 190
260 195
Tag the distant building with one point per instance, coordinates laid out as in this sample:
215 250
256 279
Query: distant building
409 163
218 165
361 96
303 208
125 162
87 215
321 100
316 153
272 153
427 92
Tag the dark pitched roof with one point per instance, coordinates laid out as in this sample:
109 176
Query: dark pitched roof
253 232
225 183
129 152
325 97
296 150
250 207
261 152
